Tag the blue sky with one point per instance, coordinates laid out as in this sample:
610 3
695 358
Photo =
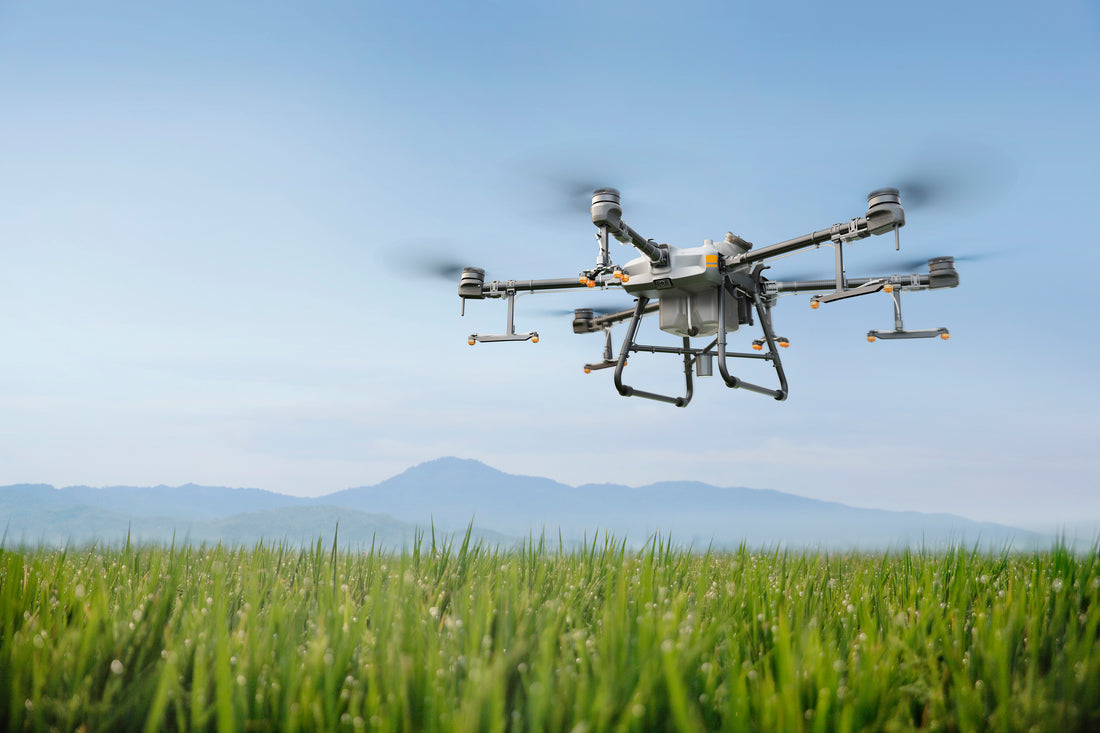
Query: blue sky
209 216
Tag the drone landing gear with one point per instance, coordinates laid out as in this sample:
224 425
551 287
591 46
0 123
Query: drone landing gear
772 355
701 359
608 359
510 334
628 345
899 331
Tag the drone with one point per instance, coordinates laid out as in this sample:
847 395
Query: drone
710 291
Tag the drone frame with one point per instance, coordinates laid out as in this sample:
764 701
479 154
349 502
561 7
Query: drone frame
732 271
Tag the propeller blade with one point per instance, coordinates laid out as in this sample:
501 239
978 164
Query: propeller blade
801 276
561 181
450 270
570 194
905 265
900 265
433 268
909 265
432 260
599 310
955 175
918 192
979 257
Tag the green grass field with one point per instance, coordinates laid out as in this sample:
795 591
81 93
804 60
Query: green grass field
449 636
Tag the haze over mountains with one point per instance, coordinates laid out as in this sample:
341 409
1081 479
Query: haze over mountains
450 493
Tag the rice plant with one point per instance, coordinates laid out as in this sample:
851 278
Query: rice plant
449 635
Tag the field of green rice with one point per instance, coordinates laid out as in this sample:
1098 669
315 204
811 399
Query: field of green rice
449 636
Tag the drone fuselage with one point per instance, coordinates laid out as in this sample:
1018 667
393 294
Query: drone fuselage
686 287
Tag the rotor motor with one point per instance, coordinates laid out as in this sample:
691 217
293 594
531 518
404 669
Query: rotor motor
884 211
606 209
582 320
942 273
470 284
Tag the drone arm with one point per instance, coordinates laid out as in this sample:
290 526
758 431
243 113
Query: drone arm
613 318
648 247
850 230
915 281
472 285
607 214
499 289
941 274
884 214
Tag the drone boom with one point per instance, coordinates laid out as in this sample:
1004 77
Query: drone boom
884 214
607 216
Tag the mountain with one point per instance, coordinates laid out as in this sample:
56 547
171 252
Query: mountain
450 493
296 526
1079 533
189 501
452 490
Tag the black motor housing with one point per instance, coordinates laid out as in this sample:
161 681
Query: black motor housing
942 273
470 284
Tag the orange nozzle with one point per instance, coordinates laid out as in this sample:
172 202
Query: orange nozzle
814 304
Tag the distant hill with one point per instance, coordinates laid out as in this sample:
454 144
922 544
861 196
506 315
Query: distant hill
450 493
453 490
1081 533
189 501
296 526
